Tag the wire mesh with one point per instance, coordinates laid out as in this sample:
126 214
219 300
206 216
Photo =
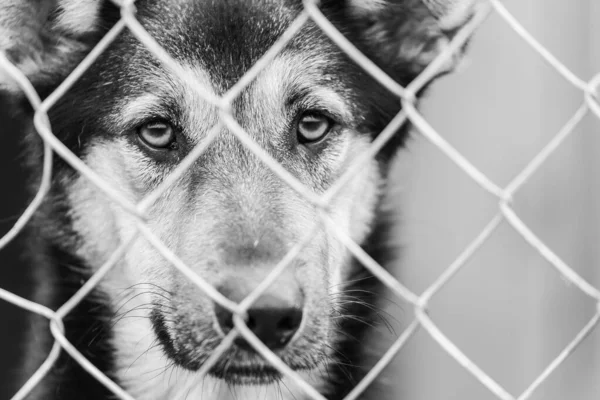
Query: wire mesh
406 95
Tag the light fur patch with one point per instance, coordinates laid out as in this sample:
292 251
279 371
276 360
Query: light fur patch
451 13
78 16
7 80
364 7
186 86
139 107
22 27
287 73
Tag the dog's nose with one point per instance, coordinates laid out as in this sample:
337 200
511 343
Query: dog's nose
272 324
274 318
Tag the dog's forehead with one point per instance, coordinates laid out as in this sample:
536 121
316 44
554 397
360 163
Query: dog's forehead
224 37
215 43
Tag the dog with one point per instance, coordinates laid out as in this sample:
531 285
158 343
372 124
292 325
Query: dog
230 218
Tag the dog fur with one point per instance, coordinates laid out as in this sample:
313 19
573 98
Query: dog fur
230 218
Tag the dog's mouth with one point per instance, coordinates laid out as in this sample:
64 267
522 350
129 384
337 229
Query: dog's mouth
255 372
238 365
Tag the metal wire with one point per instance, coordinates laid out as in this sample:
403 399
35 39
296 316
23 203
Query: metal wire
406 96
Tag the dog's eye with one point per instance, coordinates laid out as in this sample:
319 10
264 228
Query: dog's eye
312 127
157 134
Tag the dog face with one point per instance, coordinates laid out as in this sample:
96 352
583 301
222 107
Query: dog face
230 218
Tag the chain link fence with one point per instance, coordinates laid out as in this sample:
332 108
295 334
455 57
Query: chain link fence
406 95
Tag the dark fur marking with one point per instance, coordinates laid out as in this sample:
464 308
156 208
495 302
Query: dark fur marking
58 276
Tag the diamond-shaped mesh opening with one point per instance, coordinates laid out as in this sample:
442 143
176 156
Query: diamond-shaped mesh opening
418 302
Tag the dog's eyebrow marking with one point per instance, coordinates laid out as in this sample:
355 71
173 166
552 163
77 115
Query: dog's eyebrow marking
325 97
78 16
368 6
173 96
193 85
289 79
141 107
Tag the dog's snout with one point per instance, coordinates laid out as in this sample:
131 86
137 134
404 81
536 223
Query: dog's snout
274 318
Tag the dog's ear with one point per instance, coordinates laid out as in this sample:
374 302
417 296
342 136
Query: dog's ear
404 36
46 39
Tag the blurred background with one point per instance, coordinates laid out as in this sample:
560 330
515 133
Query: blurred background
508 309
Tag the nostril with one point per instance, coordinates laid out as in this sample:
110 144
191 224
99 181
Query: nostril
224 318
290 322
251 322
286 324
